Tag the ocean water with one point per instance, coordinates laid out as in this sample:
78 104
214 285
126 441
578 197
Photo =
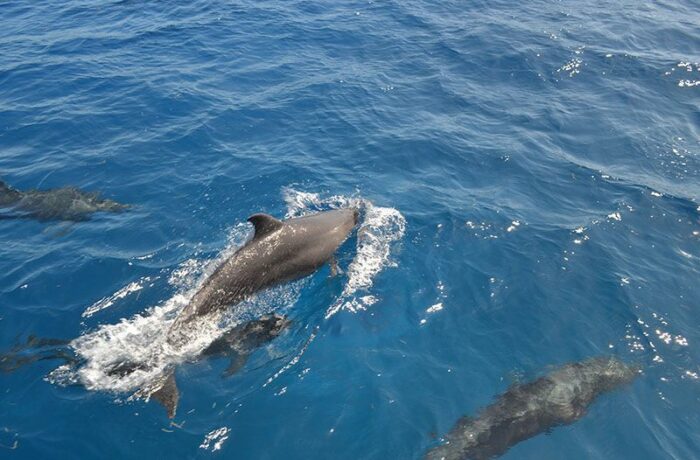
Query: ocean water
529 179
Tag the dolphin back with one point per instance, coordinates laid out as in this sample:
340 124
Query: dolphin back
526 410
280 251
65 203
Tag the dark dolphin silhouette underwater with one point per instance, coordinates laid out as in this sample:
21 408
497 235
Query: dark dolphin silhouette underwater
65 203
526 410
279 251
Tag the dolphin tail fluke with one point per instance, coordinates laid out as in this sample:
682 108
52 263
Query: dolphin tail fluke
168 394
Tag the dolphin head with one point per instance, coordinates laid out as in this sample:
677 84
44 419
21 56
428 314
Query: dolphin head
334 225
305 243
111 206
343 220
273 325
8 195
263 330
608 372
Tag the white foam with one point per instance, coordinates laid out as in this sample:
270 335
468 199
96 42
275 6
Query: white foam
380 228
514 225
217 437
615 216
107 302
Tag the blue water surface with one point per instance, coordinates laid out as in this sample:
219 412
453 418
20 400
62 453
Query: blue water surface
544 156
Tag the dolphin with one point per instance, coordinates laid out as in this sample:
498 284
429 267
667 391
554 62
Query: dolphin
279 251
33 350
65 203
526 410
237 344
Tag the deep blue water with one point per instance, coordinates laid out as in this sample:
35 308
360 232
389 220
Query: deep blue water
533 168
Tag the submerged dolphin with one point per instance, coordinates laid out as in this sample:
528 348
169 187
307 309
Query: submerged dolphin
65 203
33 350
236 344
524 411
279 251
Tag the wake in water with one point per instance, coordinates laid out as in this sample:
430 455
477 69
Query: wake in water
133 356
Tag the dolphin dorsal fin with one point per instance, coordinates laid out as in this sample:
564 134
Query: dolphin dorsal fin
264 224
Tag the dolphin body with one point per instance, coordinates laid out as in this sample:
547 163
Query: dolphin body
65 203
279 251
526 410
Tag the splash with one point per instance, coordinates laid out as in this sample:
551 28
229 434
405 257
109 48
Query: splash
142 338
378 231
215 439
380 228
303 203
122 293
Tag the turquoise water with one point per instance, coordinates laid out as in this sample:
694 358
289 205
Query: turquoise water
529 179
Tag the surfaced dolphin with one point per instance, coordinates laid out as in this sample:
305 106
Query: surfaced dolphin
559 398
279 251
65 203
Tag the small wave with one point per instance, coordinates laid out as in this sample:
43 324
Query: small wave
292 362
378 231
